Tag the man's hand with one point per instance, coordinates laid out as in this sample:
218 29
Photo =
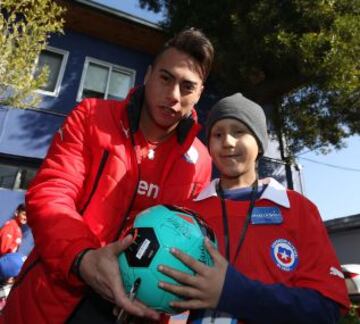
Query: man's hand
100 270
201 290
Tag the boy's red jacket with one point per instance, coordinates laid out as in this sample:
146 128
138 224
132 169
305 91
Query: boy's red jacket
81 196
293 249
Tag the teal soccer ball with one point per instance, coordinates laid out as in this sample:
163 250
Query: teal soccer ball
156 230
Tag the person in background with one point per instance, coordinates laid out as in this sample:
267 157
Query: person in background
109 161
10 233
11 260
276 263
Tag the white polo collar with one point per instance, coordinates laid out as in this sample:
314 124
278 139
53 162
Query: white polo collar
274 191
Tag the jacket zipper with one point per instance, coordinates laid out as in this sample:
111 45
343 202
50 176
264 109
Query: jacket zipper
99 172
126 216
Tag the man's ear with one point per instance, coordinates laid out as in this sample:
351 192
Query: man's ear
148 72
202 88
200 93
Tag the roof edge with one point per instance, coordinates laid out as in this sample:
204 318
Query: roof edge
120 13
343 223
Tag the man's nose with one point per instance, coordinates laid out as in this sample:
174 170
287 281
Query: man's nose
174 93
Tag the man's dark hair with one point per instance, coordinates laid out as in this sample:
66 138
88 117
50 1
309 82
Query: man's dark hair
20 208
194 43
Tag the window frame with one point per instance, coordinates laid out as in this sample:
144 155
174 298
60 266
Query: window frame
111 67
65 56
21 163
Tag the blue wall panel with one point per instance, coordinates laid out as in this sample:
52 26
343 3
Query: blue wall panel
79 46
28 133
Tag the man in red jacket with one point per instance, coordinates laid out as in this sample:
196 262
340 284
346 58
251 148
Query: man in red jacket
109 161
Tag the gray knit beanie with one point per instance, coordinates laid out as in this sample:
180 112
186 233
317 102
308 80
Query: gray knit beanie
244 110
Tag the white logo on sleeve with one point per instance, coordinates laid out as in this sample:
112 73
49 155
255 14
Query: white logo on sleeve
61 133
192 155
336 272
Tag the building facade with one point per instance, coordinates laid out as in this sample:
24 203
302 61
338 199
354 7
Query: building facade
344 234
103 53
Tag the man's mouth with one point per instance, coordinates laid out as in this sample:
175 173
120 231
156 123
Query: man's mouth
167 110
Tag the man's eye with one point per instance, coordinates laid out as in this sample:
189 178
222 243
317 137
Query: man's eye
164 77
188 87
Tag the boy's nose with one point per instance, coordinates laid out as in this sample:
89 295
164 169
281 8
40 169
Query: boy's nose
229 140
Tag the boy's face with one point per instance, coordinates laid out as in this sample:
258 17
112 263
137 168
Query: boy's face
172 87
233 149
21 217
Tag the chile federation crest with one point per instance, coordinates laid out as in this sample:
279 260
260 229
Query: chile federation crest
284 254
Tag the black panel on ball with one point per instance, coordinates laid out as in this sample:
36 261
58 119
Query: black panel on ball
141 252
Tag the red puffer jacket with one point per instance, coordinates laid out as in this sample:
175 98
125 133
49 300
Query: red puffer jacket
82 194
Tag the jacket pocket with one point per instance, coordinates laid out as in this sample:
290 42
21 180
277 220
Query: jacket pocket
99 172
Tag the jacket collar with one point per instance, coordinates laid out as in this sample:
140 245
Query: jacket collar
135 102
274 191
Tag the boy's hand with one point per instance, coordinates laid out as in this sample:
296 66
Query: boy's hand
201 290
100 270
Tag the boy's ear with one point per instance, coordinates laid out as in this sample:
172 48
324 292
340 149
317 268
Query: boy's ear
260 153
148 72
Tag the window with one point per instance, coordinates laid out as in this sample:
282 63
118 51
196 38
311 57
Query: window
17 172
104 80
56 60
14 177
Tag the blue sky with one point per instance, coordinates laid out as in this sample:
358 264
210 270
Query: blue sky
334 189
131 7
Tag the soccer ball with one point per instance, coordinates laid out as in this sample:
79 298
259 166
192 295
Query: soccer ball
156 230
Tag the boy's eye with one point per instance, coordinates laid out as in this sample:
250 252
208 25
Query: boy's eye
217 135
240 131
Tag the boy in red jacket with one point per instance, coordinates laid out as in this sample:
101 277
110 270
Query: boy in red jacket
10 260
277 264
10 233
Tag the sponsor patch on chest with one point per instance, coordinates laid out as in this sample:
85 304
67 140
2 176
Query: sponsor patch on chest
284 254
266 216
